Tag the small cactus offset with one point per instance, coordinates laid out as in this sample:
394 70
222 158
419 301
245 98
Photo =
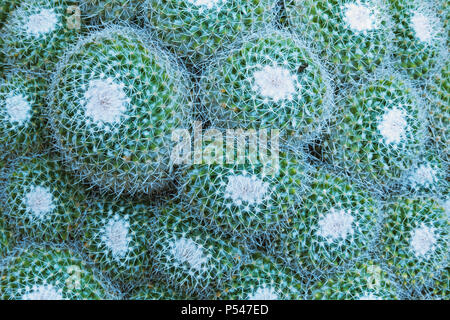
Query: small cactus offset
197 29
365 280
268 80
114 103
40 200
378 132
414 241
336 224
115 237
22 101
50 272
354 36
104 11
420 37
188 256
263 278
37 33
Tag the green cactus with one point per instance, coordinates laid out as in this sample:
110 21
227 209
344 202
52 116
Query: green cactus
354 36
104 11
22 100
6 237
378 131
189 257
263 278
440 287
420 37
336 225
6 6
365 280
113 106
156 291
197 29
414 241
51 272
41 200
37 32
269 79
114 236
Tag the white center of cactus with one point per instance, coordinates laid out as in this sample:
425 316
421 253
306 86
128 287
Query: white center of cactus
264 293
41 23
359 17
39 201
423 176
275 83
241 188
425 27
18 108
187 251
393 125
115 236
106 101
369 296
423 240
206 3
43 292
336 224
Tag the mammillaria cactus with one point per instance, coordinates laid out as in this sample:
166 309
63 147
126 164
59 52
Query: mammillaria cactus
414 241
41 202
5 7
336 224
6 238
268 80
156 291
101 11
115 237
37 32
114 103
353 35
263 278
197 29
189 257
420 37
50 272
365 280
22 99
378 132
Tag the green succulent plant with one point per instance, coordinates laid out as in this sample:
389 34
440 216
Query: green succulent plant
105 11
156 291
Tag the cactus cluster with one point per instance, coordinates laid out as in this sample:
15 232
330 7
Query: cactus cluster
114 102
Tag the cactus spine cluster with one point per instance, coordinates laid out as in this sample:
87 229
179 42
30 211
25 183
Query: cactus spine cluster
104 11
156 291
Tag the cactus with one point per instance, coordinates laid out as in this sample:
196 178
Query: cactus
440 287
5 8
365 280
41 200
113 105
414 241
189 257
156 291
6 237
22 99
420 37
114 236
378 132
354 36
269 79
197 29
336 225
37 33
51 272
263 278
110 10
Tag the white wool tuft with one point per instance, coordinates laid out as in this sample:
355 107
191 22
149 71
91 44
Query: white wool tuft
187 251
18 108
423 240
206 3
241 188
393 125
43 22
336 224
43 292
275 83
39 201
425 175
360 17
264 293
115 236
425 27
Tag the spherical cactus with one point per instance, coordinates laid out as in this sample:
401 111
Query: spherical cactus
420 37
335 225
100 11
5 8
113 106
354 36
156 291
414 241
114 236
246 199
22 124
197 29
51 272
440 287
38 31
263 278
365 280
189 257
269 79
378 131
41 200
